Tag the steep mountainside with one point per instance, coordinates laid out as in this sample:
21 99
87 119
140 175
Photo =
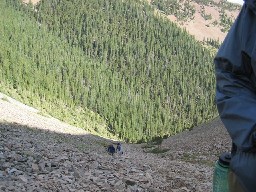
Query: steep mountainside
38 153
144 76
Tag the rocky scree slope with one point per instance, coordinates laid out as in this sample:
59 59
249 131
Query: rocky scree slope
39 153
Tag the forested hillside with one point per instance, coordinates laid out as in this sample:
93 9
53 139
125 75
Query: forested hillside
33 69
112 66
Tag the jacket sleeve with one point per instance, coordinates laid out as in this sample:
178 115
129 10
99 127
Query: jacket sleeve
235 81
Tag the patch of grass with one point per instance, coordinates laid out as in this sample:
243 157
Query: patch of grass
189 157
5 99
43 114
148 146
195 158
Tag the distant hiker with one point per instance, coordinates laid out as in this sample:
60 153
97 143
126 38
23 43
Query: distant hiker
119 149
111 149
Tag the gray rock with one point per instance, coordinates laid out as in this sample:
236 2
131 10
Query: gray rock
22 159
35 167
23 178
11 171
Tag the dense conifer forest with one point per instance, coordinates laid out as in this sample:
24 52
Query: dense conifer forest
112 67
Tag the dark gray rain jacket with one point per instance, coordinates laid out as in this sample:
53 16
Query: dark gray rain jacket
235 67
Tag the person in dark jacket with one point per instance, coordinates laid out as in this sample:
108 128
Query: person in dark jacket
111 149
235 69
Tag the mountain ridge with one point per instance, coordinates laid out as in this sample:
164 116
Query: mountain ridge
198 26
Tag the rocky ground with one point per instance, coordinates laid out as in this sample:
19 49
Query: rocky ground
43 154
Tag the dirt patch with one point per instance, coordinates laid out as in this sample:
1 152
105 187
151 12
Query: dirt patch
32 1
202 28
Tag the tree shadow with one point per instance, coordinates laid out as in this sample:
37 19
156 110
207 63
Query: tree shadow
14 132
35 159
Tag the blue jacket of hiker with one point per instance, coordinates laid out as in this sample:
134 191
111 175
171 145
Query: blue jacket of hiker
111 149
235 68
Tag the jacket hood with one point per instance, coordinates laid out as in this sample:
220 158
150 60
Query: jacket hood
251 4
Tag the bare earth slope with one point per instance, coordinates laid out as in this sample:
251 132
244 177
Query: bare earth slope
32 1
202 28
43 154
